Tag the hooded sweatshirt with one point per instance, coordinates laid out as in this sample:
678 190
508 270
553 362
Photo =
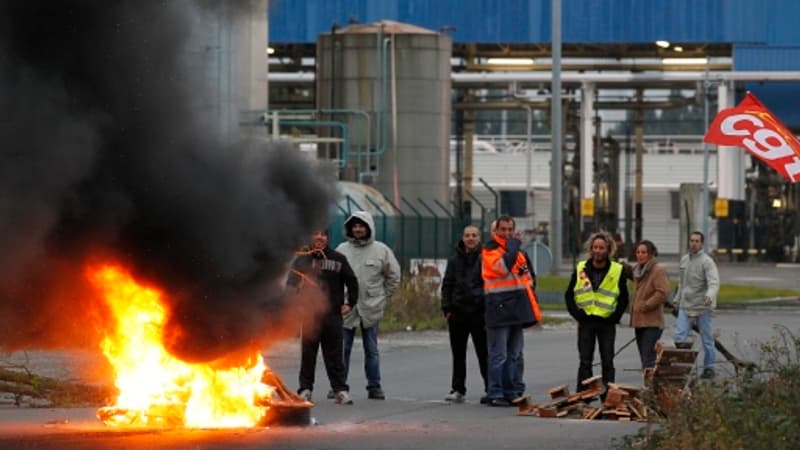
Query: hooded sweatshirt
331 271
376 268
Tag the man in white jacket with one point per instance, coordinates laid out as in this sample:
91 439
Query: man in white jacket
378 274
696 298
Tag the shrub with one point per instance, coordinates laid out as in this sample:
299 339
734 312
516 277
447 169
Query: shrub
415 306
756 410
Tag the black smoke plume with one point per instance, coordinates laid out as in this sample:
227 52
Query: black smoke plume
104 156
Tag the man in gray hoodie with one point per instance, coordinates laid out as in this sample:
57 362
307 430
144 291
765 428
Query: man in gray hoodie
378 274
696 298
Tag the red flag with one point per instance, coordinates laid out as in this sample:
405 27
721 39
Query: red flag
753 127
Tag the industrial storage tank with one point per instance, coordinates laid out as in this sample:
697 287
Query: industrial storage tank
227 61
390 83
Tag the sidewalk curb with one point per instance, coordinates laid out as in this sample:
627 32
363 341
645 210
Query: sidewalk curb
764 302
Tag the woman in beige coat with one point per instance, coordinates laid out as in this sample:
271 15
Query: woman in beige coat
647 307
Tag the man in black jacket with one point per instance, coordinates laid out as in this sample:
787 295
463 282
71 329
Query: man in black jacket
329 270
462 305
596 297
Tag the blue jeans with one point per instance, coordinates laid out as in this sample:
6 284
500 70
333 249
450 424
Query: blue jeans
505 362
646 338
372 367
682 327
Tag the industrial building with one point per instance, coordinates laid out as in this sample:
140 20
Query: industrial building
446 109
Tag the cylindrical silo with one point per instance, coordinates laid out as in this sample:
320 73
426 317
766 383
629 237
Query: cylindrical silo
399 75
226 54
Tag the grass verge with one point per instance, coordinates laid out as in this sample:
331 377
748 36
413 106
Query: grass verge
417 306
30 389
728 293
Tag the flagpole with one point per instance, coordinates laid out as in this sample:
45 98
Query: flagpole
706 95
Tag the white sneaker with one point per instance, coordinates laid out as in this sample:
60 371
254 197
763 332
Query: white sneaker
343 398
305 394
455 397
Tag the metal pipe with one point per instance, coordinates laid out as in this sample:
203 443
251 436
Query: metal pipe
588 151
555 130
322 123
393 71
465 79
544 104
332 89
496 197
707 93
459 173
528 165
676 103
638 175
274 114
595 66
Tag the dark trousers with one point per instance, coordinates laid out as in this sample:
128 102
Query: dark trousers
327 331
460 331
646 338
604 334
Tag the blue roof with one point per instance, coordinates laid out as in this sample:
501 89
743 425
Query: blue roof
528 21
764 33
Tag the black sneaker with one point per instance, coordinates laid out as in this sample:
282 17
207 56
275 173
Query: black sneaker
331 395
484 400
708 374
499 402
376 394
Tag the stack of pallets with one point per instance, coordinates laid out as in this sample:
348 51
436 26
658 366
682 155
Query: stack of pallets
623 402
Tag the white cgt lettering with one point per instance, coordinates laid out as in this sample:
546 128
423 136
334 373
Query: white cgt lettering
761 144
762 136
729 124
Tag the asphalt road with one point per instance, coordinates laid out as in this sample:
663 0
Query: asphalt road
416 376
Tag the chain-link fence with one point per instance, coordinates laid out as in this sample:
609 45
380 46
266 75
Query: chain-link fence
413 229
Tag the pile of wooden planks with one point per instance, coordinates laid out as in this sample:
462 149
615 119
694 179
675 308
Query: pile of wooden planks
622 402
668 379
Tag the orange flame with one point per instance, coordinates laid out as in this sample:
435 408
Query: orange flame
155 388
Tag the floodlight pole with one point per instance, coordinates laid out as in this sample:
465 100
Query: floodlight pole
706 94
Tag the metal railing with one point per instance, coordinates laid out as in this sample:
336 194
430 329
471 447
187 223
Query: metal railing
653 143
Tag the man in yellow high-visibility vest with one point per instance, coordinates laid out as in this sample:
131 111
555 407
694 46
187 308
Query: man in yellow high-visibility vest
596 297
